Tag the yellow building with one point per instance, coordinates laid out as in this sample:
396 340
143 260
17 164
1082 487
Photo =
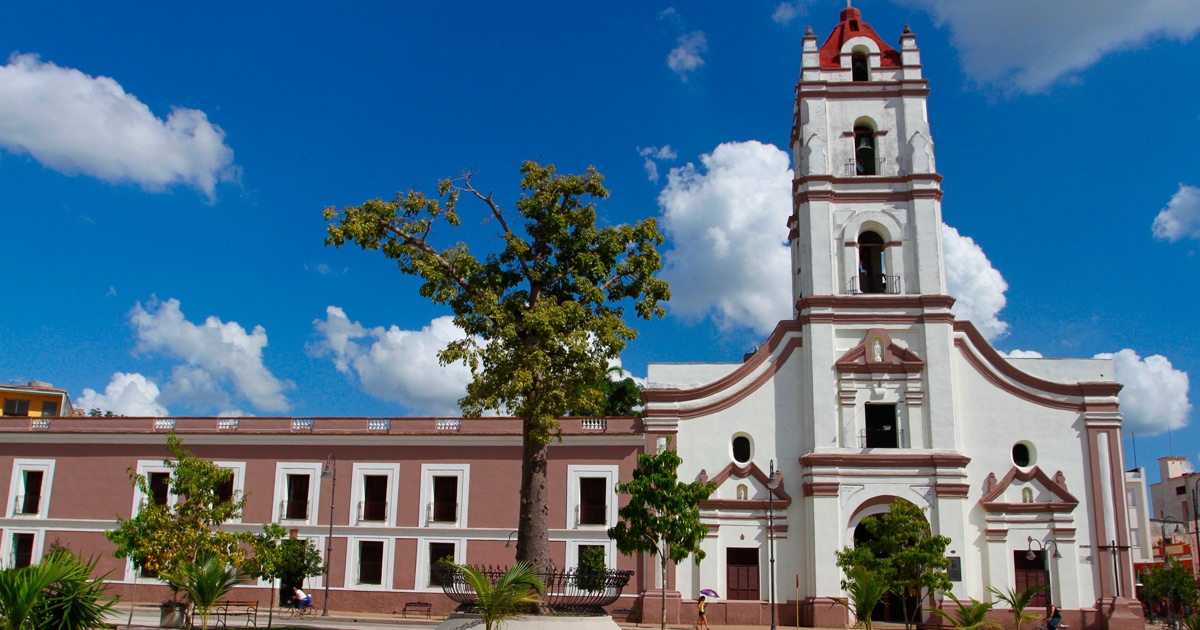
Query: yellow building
36 400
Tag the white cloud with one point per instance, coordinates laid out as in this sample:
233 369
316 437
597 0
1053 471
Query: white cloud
397 365
75 123
726 222
215 353
1181 217
1022 354
788 11
1155 396
1030 44
125 395
685 57
654 153
977 287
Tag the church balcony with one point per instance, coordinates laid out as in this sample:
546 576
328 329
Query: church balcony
867 168
886 436
875 283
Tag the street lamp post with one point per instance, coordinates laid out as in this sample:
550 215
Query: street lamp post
1032 555
772 484
329 472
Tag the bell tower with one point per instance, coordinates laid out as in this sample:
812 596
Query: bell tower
866 215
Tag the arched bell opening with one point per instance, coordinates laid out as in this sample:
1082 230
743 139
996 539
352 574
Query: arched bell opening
860 64
872 271
864 151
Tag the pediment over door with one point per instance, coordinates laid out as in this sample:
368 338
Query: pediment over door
878 354
1026 491
756 487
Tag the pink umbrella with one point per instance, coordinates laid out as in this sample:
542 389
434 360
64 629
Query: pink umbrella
708 592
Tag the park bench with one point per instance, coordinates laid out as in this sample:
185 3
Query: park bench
424 608
223 610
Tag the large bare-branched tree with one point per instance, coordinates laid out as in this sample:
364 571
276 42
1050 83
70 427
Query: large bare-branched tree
543 315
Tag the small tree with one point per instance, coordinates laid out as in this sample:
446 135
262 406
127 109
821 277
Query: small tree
1171 582
516 589
1018 601
902 548
161 536
662 517
592 574
206 582
285 560
971 616
864 590
542 318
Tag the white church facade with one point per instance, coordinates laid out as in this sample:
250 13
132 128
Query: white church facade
873 391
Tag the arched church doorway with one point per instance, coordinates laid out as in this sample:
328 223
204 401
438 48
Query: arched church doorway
892 607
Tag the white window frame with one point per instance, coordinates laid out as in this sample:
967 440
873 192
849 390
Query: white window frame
6 548
610 552
144 468
239 482
282 470
428 472
423 576
358 488
352 563
17 486
575 472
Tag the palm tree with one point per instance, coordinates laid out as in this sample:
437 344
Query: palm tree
205 583
76 601
1018 601
971 616
516 588
864 588
21 590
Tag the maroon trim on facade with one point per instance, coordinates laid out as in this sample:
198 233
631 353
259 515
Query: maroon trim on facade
742 472
988 362
746 505
1066 502
672 395
821 489
885 460
838 196
797 182
952 490
894 359
842 90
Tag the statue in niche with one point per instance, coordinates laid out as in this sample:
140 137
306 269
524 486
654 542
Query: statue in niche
742 492
877 350
1027 495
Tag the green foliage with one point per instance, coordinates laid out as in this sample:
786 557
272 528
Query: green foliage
864 590
621 398
514 591
77 601
1018 601
971 616
206 582
542 317
1172 582
160 537
592 572
904 551
58 593
662 517
277 557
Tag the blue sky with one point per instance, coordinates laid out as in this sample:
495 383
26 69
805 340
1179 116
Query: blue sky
163 168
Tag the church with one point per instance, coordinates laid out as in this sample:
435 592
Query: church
872 392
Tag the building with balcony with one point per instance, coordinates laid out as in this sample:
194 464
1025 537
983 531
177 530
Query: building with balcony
35 400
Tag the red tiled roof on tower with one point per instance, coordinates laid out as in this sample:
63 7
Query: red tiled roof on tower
850 27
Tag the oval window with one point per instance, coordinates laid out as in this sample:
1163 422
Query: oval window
741 449
1020 455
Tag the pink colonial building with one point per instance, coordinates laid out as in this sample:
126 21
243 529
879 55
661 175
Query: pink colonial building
408 491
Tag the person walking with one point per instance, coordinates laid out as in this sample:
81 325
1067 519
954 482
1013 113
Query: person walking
701 621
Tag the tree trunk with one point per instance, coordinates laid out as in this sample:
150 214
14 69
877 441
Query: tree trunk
663 600
533 534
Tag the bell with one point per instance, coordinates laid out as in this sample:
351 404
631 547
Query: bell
864 142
